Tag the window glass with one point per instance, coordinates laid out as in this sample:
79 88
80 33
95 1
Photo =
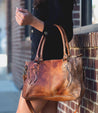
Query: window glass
94 11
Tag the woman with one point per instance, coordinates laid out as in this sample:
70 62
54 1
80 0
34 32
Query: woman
45 14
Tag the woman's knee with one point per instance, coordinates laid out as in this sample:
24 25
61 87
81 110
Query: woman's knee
37 104
50 107
22 106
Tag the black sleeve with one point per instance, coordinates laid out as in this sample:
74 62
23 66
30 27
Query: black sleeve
53 48
50 29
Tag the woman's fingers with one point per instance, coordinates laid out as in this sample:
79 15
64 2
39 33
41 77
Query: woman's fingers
20 14
19 20
20 17
23 10
23 16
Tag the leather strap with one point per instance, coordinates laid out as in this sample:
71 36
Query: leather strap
38 50
30 106
42 47
66 40
65 45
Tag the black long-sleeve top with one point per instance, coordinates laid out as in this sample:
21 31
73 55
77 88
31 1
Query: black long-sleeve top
52 12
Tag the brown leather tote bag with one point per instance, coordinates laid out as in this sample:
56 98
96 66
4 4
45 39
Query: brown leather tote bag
56 80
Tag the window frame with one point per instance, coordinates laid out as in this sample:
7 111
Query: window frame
86 26
28 6
86 9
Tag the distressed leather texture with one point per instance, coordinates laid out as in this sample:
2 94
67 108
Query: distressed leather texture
56 80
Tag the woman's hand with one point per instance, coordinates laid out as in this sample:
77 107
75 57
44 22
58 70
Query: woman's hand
23 17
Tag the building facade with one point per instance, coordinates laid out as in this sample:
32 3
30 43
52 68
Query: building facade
85 41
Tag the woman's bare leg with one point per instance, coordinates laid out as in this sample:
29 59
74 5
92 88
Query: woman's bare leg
40 106
50 107
37 105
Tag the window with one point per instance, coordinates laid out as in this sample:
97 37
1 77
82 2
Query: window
89 12
28 6
94 11
86 12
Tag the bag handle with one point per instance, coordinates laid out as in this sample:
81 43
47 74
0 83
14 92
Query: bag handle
66 49
30 106
66 40
39 47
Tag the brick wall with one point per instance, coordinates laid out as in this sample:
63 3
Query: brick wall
77 14
20 46
87 44
8 27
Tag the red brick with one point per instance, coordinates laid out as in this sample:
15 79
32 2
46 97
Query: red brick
79 51
76 8
96 86
86 83
90 85
72 52
82 52
94 39
82 110
76 22
87 52
84 102
90 63
90 105
59 105
93 96
62 107
96 108
67 110
88 73
76 15
96 75
96 64
93 74
86 111
72 105
70 111
85 62
94 52
80 41
85 40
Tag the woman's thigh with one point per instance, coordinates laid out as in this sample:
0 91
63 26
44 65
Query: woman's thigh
37 104
50 107
40 106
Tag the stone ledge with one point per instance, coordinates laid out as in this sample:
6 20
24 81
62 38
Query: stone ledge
86 29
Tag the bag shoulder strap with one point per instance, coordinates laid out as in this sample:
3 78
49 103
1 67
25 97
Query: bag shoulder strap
30 106
66 49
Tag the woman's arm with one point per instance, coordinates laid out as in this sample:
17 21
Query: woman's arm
23 17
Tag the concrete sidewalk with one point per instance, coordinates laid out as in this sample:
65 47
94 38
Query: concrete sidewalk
9 94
